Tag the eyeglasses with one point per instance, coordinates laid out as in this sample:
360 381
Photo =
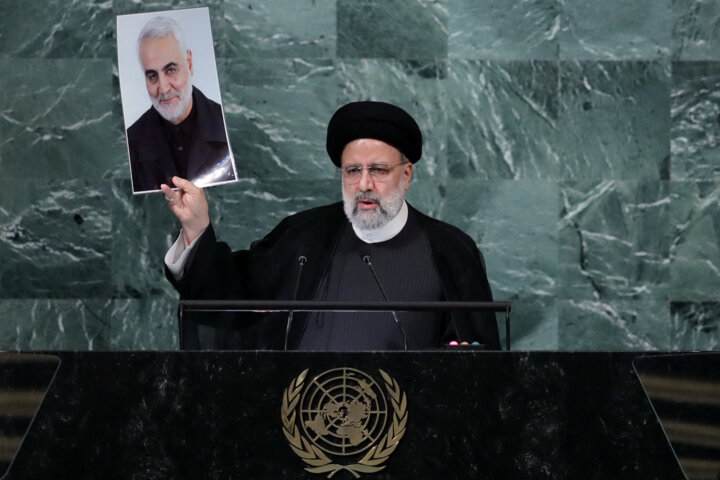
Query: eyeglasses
378 171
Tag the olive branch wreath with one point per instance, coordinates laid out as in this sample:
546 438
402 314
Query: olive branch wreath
317 459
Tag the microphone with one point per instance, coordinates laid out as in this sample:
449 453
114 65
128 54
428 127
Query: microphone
302 260
366 259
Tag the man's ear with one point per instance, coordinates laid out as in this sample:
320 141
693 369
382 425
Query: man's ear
408 167
189 61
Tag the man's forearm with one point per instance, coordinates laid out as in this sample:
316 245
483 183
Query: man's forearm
177 256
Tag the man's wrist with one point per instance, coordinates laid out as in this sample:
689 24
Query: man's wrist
190 234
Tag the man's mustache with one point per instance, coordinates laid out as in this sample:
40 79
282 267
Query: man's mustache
373 197
367 196
164 96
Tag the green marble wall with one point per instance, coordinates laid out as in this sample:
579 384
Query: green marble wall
576 141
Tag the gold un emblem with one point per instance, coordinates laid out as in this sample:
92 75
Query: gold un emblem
343 420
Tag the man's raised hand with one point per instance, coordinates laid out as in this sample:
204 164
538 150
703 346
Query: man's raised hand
189 205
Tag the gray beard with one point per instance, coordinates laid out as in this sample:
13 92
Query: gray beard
169 113
378 217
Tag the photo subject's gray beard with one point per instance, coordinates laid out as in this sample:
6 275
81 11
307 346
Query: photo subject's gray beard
172 114
378 217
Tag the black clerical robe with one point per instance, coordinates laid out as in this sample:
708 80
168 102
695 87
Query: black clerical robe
268 270
399 268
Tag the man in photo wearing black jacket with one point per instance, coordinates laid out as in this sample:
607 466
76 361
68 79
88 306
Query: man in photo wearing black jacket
183 133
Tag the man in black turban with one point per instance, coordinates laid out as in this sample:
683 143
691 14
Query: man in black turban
371 246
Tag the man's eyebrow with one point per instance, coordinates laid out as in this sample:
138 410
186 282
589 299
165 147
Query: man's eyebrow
154 72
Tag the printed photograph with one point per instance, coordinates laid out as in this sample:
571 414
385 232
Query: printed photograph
172 107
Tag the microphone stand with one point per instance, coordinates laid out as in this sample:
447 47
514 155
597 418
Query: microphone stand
366 259
301 262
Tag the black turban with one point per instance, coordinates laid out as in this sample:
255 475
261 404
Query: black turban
377 120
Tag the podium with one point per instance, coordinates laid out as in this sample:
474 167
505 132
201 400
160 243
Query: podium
235 415
224 317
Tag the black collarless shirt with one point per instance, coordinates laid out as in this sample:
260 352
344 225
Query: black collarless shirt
406 271
180 138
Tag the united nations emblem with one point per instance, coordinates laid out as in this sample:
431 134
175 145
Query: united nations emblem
343 420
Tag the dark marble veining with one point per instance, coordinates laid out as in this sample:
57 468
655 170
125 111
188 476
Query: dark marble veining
639 325
47 324
237 210
392 29
695 133
613 240
133 250
44 133
280 28
88 324
616 30
695 248
143 324
54 239
695 28
53 29
503 120
500 30
515 225
695 325
277 117
614 120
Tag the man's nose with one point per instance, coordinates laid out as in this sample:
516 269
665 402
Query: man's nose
367 181
164 84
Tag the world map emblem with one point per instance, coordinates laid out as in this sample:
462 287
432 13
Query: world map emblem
343 419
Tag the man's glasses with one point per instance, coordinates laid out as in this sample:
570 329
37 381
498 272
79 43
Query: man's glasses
378 171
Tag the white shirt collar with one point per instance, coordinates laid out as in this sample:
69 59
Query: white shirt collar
387 231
